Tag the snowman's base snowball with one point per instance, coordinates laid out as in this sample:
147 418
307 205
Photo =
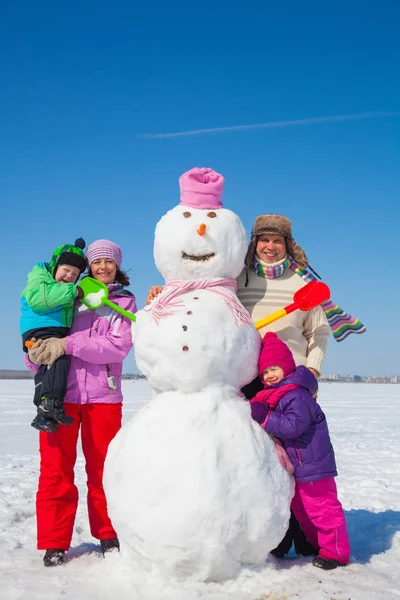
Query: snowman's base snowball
194 486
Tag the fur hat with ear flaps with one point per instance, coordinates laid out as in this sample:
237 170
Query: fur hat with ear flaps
279 225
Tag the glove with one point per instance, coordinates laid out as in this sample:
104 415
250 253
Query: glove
35 353
57 348
79 292
259 411
51 349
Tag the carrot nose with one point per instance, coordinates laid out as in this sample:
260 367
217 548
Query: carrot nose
202 229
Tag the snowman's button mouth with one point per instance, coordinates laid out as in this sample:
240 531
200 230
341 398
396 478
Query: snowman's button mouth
198 257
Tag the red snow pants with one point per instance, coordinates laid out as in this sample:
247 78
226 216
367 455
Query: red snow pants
57 495
318 510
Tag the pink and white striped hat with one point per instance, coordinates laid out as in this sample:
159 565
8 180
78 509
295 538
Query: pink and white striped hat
104 249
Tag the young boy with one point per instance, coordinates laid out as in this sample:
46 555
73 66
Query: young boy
47 306
287 410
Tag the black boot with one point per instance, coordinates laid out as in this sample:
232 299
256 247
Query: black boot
41 423
53 557
53 408
59 414
326 563
109 545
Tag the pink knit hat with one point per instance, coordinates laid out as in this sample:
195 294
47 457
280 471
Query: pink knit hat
201 188
104 249
275 353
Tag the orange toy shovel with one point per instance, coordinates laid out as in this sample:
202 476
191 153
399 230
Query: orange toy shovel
308 297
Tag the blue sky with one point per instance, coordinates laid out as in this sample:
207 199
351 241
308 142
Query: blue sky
83 83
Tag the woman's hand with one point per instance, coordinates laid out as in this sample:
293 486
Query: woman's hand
316 375
35 352
153 293
50 350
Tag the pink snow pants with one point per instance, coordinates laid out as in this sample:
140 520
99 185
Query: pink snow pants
57 496
321 517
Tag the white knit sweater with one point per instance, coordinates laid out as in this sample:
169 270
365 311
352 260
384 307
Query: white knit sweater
305 332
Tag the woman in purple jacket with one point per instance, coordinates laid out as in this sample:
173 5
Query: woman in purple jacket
287 410
98 342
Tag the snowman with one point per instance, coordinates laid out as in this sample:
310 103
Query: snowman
194 486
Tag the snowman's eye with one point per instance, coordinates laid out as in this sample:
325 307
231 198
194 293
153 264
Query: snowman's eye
187 214
212 215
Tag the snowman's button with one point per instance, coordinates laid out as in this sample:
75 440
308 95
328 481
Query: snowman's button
196 298
185 348
189 312
184 327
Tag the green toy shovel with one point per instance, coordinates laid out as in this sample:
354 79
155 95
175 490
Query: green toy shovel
95 293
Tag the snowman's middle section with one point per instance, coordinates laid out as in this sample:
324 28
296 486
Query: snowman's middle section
196 344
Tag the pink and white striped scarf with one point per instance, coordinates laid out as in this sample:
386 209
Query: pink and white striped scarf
224 287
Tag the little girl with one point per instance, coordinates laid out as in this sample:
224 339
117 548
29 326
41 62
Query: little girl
287 410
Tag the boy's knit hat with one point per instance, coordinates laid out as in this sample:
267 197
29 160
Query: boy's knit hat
275 353
69 254
280 225
201 188
104 249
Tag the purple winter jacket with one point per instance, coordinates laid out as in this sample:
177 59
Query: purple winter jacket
301 425
98 342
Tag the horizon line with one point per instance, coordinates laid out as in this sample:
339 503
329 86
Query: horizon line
275 124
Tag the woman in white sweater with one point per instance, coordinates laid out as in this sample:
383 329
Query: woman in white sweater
269 282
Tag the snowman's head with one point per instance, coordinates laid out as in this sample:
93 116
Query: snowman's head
199 238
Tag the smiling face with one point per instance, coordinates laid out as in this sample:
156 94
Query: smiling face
104 270
271 247
192 243
67 274
273 374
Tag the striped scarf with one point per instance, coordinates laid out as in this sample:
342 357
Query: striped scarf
341 323
170 298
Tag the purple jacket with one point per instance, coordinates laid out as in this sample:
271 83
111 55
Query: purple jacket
301 425
98 342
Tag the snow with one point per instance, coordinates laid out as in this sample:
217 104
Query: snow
363 421
95 299
187 500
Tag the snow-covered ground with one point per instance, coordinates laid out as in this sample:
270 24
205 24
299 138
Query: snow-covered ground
364 423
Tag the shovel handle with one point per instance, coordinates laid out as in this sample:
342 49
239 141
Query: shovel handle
282 312
274 317
122 311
